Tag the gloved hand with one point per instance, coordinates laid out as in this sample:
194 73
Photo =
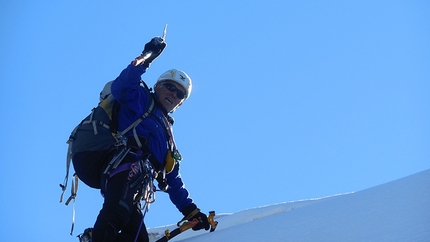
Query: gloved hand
191 212
154 48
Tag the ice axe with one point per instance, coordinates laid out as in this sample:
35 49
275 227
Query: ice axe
148 54
188 225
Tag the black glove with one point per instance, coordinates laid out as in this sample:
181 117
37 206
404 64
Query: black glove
191 212
155 47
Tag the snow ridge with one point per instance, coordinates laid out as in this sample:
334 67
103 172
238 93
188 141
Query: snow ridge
395 211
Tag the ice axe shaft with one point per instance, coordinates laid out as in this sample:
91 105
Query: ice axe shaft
188 225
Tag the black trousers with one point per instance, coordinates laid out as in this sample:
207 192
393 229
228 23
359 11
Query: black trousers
119 219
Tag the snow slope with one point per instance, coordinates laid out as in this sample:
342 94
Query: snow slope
395 211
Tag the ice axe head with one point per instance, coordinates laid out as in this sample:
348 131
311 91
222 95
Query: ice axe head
212 222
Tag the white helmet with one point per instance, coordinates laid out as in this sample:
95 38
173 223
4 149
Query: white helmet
179 77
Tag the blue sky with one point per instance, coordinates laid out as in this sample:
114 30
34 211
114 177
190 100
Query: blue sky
291 99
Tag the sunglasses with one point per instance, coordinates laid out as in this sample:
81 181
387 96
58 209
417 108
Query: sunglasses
173 88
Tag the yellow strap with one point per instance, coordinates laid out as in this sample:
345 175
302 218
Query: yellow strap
167 234
170 162
188 225
189 216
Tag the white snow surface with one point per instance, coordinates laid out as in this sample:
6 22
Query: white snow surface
395 211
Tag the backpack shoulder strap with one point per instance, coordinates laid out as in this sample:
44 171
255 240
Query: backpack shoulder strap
149 110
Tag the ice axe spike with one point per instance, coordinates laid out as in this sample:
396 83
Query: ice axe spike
164 33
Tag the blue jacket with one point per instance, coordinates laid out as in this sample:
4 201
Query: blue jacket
134 101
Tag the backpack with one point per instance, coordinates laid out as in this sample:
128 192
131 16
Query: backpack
98 131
